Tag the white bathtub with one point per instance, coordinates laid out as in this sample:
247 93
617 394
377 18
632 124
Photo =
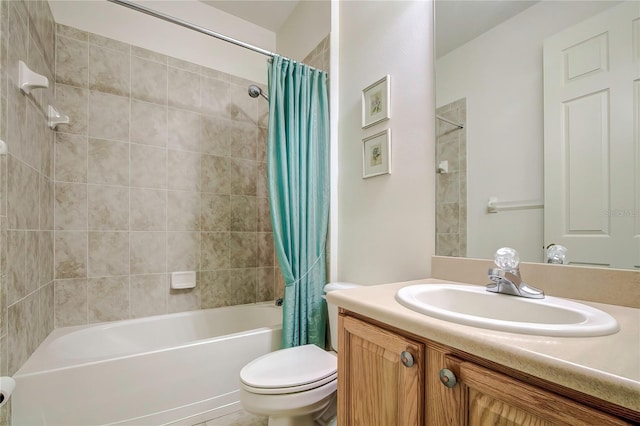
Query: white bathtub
169 369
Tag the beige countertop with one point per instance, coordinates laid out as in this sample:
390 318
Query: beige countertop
607 367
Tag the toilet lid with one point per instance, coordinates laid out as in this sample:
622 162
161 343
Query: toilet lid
288 368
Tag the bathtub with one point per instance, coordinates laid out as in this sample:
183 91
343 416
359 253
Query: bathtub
178 369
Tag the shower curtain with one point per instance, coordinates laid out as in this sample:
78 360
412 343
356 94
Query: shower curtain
298 181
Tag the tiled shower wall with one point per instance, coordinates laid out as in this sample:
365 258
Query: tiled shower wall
451 191
26 186
162 169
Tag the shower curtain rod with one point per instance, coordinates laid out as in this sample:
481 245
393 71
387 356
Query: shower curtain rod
459 126
194 27
190 26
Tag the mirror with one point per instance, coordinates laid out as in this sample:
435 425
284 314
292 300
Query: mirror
489 80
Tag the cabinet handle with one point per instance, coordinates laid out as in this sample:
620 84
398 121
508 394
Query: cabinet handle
447 378
406 358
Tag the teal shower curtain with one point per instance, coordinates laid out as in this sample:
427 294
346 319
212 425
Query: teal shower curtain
298 181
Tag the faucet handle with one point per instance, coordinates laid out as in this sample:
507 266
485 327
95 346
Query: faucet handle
507 258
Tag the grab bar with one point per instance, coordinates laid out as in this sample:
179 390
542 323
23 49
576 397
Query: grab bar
494 206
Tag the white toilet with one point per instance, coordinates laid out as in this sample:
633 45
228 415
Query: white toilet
295 386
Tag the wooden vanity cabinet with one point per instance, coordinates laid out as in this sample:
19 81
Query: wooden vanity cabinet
381 376
375 387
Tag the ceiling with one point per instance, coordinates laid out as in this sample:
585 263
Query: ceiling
269 14
457 21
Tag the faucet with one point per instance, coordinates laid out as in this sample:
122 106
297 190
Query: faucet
506 277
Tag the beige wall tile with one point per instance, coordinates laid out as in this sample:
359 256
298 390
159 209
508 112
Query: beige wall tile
149 81
265 287
148 209
148 54
184 130
183 300
70 206
108 162
70 254
244 213
32 258
214 135
243 141
243 249
240 107
16 285
183 251
45 257
107 299
215 251
108 116
108 254
148 295
264 215
183 170
73 102
148 123
215 97
183 211
243 177
22 333
216 213
148 254
108 208
109 70
266 249
110 43
242 283
72 61
47 195
72 32
70 158
215 289
183 89
70 302
46 321
148 167
215 174
22 195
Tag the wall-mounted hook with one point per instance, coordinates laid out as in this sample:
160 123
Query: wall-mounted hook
56 118
29 80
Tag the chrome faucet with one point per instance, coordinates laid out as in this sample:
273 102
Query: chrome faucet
506 277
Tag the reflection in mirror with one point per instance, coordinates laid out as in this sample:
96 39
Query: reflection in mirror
490 78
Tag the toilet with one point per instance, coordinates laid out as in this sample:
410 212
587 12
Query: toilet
295 386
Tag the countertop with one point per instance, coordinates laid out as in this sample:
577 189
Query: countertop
607 367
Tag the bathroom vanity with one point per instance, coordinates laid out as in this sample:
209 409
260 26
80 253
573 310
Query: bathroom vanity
397 366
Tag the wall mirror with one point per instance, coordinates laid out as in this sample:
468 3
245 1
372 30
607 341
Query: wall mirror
537 129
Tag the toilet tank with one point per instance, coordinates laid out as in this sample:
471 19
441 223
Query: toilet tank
332 311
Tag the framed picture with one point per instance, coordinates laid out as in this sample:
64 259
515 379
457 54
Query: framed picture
376 154
375 102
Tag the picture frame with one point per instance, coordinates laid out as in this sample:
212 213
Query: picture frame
376 154
376 102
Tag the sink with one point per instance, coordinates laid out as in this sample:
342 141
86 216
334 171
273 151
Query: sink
474 306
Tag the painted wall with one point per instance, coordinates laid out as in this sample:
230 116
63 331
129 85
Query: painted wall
128 26
500 75
386 223
308 25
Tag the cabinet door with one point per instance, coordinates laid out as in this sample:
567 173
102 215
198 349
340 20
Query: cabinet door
376 386
491 398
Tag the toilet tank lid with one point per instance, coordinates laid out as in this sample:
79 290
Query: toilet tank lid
339 286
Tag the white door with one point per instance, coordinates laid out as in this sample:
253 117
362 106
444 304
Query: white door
591 119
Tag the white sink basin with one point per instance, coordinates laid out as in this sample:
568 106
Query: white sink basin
473 305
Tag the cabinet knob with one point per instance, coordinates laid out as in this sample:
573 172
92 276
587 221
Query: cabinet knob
406 358
447 378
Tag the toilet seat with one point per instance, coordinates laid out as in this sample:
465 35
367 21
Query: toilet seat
290 370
